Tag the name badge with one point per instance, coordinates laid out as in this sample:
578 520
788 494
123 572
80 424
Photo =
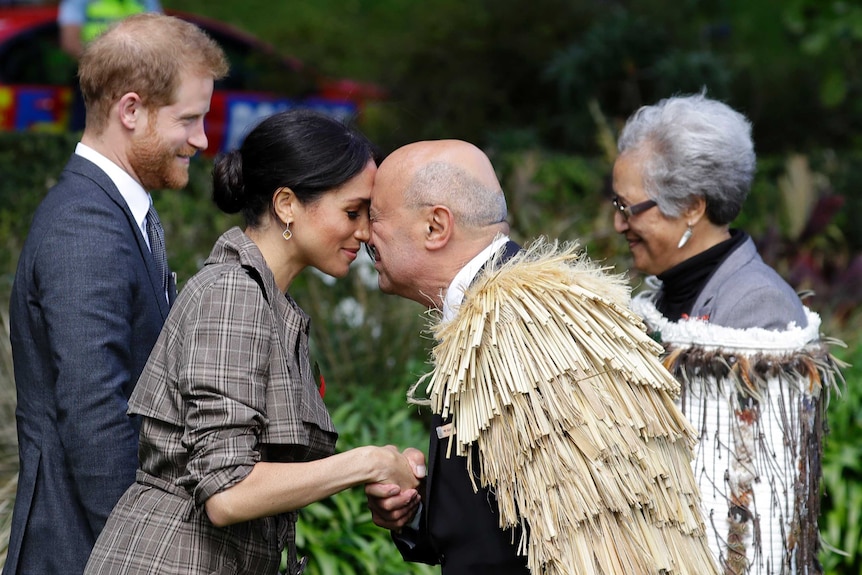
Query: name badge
444 431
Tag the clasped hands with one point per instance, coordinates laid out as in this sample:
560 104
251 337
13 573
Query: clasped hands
392 506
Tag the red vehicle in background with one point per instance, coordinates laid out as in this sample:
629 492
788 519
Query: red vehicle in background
37 80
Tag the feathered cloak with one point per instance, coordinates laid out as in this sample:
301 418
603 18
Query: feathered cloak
757 399
547 372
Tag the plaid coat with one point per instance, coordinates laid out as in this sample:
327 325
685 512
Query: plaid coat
229 383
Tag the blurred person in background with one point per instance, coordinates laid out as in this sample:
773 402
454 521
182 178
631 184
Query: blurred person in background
93 288
747 352
80 21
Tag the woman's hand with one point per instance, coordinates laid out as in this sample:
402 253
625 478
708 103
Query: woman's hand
391 505
404 470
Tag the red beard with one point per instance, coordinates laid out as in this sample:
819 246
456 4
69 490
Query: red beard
156 163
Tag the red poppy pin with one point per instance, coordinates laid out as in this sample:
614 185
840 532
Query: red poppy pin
319 377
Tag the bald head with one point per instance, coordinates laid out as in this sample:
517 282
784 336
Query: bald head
434 206
456 153
453 173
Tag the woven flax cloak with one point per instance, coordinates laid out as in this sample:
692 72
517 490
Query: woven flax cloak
758 400
553 379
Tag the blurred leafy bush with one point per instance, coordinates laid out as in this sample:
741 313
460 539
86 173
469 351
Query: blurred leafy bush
30 164
841 504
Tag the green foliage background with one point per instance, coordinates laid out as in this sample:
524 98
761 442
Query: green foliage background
543 86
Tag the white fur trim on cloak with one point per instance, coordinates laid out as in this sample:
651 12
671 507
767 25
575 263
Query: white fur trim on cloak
758 400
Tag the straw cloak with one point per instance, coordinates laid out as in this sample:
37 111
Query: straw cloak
757 398
549 375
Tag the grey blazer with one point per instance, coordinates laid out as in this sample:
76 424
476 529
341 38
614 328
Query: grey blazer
744 292
86 309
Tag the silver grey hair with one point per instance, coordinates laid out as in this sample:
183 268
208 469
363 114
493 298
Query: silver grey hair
472 203
693 146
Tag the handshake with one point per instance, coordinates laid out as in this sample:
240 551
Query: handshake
394 500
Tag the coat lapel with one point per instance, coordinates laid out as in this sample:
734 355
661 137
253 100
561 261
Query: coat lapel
90 170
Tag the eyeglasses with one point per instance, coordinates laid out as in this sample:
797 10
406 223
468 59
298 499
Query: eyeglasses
629 211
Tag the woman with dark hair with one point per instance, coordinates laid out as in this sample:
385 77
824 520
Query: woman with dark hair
235 437
752 365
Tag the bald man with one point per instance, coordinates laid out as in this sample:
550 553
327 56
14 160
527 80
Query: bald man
438 215
554 424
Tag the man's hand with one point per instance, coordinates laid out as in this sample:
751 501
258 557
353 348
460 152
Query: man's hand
391 507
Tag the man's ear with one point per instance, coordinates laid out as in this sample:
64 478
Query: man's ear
283 204
440 225
131 110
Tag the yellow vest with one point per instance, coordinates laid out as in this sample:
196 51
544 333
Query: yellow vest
102 13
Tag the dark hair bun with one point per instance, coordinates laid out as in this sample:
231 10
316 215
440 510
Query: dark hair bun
228 187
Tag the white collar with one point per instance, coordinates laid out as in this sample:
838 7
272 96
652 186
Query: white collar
133 193
463 279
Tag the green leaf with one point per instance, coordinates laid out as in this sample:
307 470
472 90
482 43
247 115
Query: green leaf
833 89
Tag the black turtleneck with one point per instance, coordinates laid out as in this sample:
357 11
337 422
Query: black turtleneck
682 283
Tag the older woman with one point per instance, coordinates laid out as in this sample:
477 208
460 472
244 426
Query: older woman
684 170
745 348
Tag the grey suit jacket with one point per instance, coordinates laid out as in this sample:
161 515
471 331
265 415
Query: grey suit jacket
86 309
744 292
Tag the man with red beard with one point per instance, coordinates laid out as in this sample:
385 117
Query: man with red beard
93 288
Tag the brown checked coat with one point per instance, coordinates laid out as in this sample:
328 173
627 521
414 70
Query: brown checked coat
229 383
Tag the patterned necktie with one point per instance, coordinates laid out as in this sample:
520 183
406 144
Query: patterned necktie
156 235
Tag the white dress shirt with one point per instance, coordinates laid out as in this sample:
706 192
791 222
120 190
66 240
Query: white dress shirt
133 193
463 279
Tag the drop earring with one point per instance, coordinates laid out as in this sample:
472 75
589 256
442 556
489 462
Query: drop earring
686 235
287 234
